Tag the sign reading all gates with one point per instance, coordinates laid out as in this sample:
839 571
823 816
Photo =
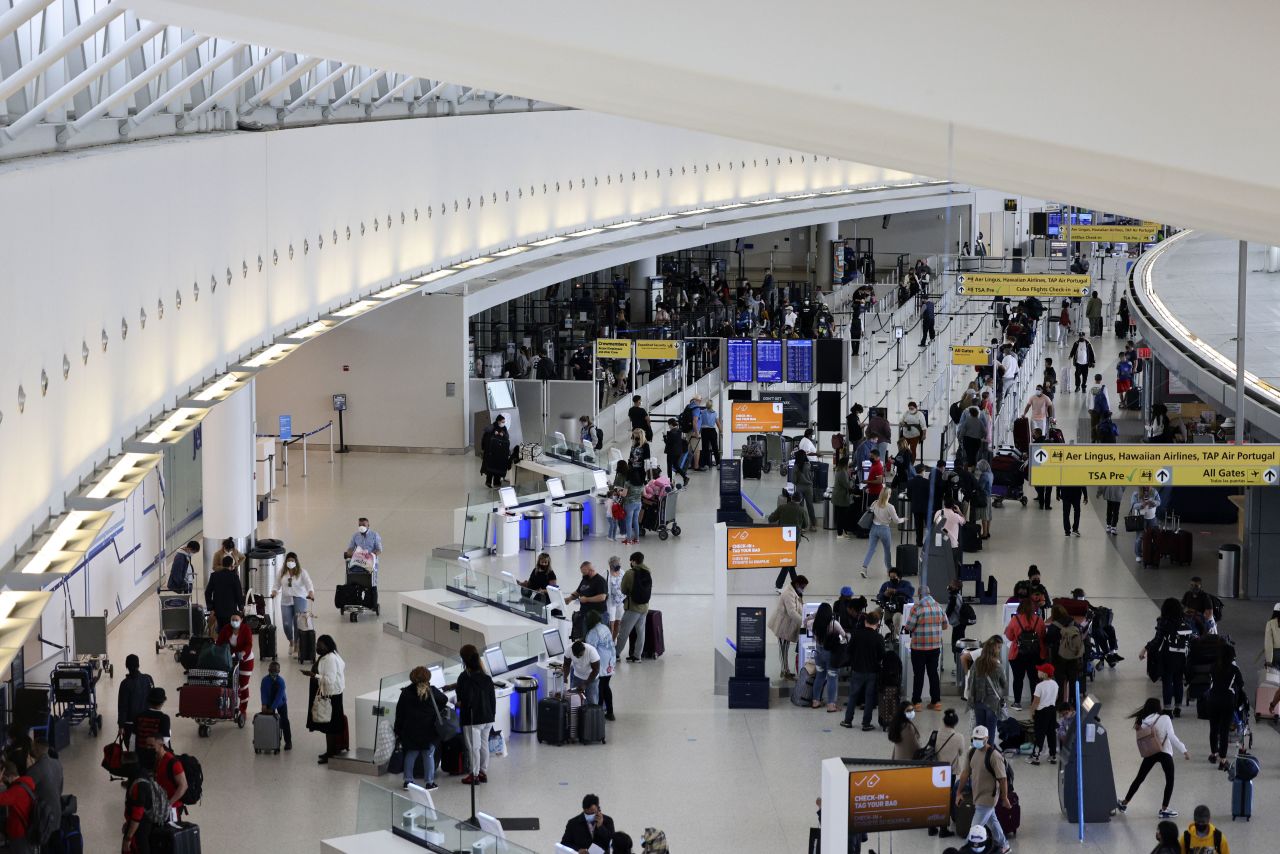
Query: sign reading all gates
970 355
901 798
761 546
756 416
613 348
1022 285
656 349
1144 233
1155 465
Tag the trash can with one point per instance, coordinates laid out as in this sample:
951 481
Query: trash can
575 522
599 515
262 563
962 646
531 540
1228 571
524 718
828 513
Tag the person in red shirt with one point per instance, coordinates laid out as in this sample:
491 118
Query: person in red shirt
240 637
141 814
18 800
875 477
172 777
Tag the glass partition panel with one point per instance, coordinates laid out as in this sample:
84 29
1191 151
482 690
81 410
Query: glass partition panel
502 590
414 817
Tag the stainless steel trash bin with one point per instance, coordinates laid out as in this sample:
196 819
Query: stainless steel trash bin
525 717
828 513
1228 571
962 646
575 522
532 540
262 566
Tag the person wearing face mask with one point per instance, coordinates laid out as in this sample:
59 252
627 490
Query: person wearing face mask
364 549
495 452
1201 837
985 766
589 827
903 734
224 593
328 679
787 620
229 549
295 585
239 636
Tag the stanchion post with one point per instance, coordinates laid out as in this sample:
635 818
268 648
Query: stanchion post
304 454
285 448
331 441
1079 764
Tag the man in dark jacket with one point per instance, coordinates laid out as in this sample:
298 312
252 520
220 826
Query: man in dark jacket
477 702
590 827
866 648
673 447
789 513
132 697
224 593
918 498
495 453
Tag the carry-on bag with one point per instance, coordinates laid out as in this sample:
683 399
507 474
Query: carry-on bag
654 644
266 733
591 724
553 720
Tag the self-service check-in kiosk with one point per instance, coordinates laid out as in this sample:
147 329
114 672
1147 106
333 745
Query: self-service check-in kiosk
506 520
1099 783
557 520
598 524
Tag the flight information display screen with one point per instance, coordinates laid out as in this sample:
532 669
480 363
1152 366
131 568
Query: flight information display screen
800 361
738 356
768 361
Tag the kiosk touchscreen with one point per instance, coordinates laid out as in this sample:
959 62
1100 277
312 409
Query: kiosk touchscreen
555 487
507 497
553 642
437 676
496 660
600 480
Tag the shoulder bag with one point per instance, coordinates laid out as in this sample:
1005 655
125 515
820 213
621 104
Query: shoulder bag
1133 523
930 750
1003 711
321 708
447 727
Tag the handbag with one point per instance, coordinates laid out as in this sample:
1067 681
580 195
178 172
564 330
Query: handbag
321 709
1002 712
930 750
868 519
1133 523
446 726
395 765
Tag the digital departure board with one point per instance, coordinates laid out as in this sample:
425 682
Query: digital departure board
768 360
738 357
800 361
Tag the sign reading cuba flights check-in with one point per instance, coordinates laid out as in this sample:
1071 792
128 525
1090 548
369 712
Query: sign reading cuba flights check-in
1022 285
1155 465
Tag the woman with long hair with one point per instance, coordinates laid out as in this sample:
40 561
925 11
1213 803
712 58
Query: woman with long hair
829 638
296 590
1156 742
787 620
419 707
903 734
883 515
1168 839
802 477
1226 687
987 685
842 497
1168 650
1025 634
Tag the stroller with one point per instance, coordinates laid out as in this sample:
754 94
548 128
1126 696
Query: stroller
1009 470
1102 634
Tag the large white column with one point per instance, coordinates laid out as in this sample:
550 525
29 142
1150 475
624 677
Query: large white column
828 232
1273 259
227 466
638 275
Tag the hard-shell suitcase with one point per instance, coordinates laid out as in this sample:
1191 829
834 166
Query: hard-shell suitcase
553 720
1241 799
69 836
347 596
887 703
1022 434
1132 399
455 758
1122 328
266 733
962 815
654 644
752 467
907 559
176 837
206 701
306 645
591 724
802 690
820 477
267 641
1011 817
971 537
1178 546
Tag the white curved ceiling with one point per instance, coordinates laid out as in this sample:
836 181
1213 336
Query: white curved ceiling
1156 109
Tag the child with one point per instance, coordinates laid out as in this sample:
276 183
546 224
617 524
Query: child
1066 724
1124 375
275 700
1043 709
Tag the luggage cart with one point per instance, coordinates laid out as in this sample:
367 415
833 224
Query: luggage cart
667 515
74 691
89 634
210 697
176 626
363 594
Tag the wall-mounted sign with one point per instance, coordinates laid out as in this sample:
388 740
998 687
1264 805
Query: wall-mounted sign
761 546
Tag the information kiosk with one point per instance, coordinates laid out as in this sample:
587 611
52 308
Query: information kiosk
1099 780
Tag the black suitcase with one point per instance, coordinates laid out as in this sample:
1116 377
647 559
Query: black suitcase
907 560
591 724
820 477
267 641
347 596
189 656
181 837
553 720
971 537
455 758
306 645
199 621
752 467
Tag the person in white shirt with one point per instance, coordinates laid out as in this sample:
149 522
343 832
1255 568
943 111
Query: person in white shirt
298 590
1008 372
1044 714
582 670
806 444
1081 360
1156 742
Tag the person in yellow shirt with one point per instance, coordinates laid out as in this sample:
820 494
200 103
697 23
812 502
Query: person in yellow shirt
1201 837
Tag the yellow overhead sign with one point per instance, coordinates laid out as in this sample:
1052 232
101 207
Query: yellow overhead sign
613 348
1022 285
1155 465
1144 233
969 355
656 349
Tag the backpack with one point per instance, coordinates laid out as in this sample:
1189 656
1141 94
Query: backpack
1217 842
986 761
599 443
1108 428
180 572
1071 643
1100 404
642 587
158 811
1148 743
195 779
686 420
41 816
546 369
1028 641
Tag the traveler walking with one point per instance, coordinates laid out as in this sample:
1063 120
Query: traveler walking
1070 497
831 642
237 635
1064 323
802 477
1144 504
903 734
1040 407
949 751
1113 495
1025 633
866 649
925 626
601 639
918 500
1093 311
418 709
689 425
1168 650
616 600
145 807
673 448
788 619
1225 695
1271 639
1044 703
972 433
224 594
927 333
842 498
639 417
296 590
980 500
789 513
1082 359
637 590
883 515
131 698
912 428
275 701
986 684
985 767
364 549
1065 644
1156 743
328 682
477 703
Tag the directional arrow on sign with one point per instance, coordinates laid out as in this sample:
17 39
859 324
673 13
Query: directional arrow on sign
960 279
1164 476
1270 475
1084 292
960 289
1041 455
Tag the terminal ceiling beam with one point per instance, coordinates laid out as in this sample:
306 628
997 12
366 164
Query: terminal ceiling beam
1155 109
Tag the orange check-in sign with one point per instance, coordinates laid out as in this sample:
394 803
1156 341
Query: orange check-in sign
761 546
899 798
757 417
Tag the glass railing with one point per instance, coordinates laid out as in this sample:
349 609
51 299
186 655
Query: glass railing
500 590
417 820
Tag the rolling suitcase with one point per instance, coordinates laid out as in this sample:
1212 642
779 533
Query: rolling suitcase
266 733
69 836
907 559
654 644
1022 434
347 596
553 720
752 467
820 477
206 701
306 645
887 703
591 724
454 756
1241 799
971 537
267 641
1122 328
1268 684
1178 544
176 837
1011 818
802 690
962 815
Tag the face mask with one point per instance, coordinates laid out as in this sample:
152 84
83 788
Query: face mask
911 716
591 818
1202 829
292 564
978 744
364 529
235 625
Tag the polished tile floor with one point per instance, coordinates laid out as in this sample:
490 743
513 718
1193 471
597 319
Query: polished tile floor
715 780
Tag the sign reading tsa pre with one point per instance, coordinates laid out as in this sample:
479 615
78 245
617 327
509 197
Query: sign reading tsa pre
756 416
1022 285
1155 465
761 546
